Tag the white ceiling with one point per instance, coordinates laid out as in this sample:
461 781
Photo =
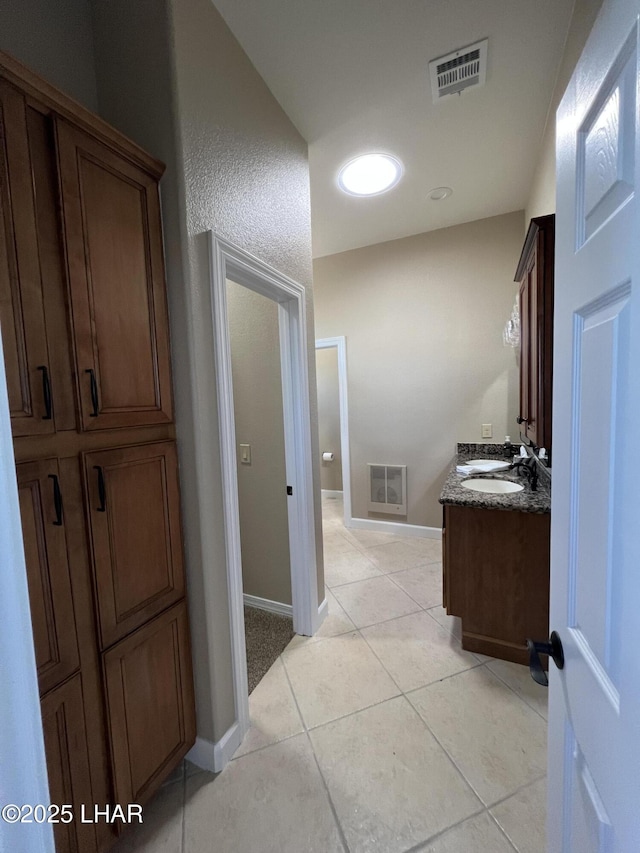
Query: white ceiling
353 77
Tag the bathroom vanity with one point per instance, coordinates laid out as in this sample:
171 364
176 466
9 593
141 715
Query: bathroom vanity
495 566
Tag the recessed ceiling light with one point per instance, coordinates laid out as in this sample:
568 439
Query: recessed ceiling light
440 193
370 174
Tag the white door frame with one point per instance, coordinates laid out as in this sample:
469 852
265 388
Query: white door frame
232 262
340 343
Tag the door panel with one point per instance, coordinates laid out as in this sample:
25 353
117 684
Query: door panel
136 537
68 764
601 361
116 277
45 545
151 706
21 309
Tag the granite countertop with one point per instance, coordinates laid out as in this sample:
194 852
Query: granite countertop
525 501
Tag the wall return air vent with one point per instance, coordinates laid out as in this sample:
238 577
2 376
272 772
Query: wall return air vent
456 71
387 489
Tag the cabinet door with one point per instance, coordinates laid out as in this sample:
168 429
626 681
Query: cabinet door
44 170
134 514
21 305
523 300
534 354
452 572
65 743
116 279
445 572
45 546
149 684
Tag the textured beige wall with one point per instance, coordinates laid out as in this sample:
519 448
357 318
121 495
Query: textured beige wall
257 402
55 40
329 417
423 318
236 165
542 198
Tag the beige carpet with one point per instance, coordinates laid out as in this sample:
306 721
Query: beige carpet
266 636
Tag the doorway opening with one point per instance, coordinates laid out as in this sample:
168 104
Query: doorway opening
328 371
230 263
262 480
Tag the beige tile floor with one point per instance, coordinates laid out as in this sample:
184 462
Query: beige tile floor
379 735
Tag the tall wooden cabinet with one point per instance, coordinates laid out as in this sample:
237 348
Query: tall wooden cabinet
535 274
85 334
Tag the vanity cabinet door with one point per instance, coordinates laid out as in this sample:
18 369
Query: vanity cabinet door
445 578
45 546
150 701
453 572
21 300
134 517
116 280
65 742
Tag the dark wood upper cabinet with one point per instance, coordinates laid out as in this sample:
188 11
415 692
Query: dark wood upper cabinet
149 686
65 743
21 300
535 274
115 266
54 628
134 518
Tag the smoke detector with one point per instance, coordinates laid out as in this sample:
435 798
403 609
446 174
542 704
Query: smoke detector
456 71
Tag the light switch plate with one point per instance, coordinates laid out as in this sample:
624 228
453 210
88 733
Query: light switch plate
245 454
487 430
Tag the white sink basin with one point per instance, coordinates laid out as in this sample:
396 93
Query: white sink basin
492 487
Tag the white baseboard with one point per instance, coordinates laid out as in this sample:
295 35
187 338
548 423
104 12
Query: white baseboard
214 757
399 528
331 493
267 604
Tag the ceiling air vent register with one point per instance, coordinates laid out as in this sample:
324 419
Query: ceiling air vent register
456 71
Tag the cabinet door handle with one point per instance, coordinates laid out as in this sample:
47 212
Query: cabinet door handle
46 392
94 393
57 499
102 492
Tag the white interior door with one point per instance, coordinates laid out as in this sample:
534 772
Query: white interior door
594 766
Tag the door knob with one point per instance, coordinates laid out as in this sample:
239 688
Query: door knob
553 648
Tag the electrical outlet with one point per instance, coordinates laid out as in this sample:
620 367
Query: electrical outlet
245 454
487 430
